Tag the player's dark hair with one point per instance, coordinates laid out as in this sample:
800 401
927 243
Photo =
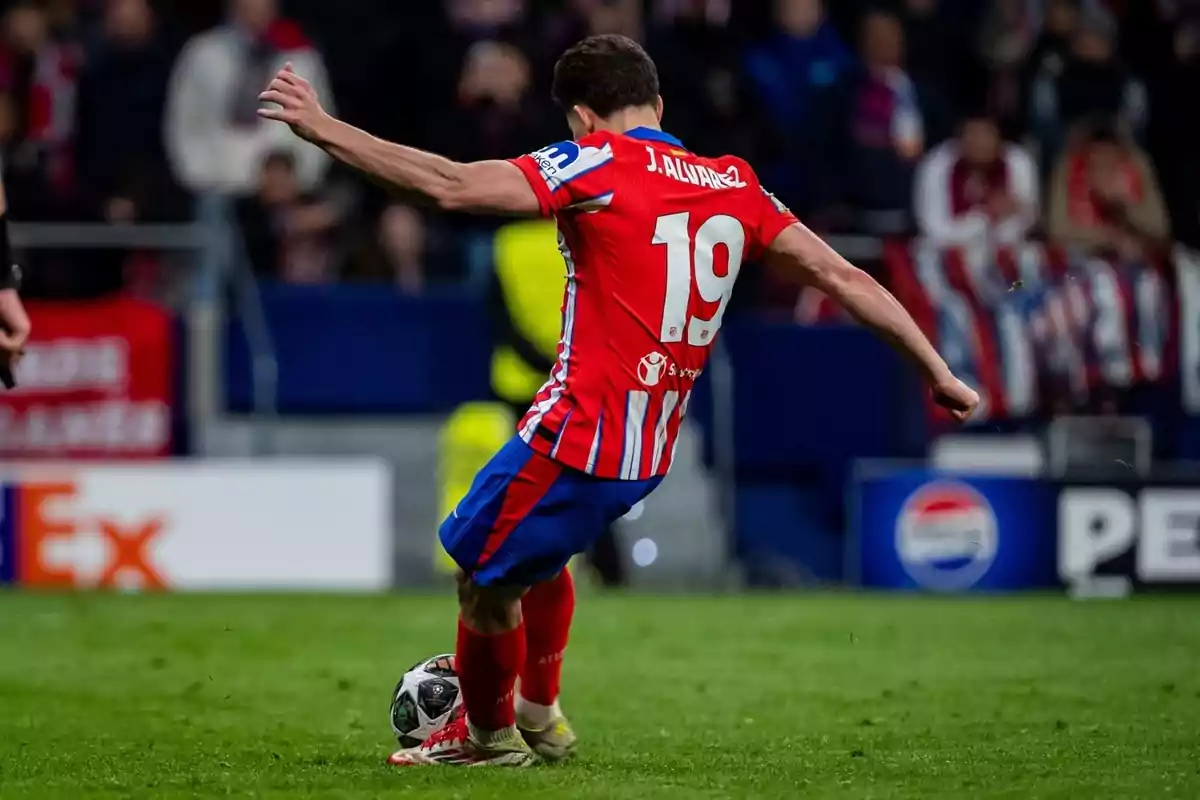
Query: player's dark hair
605 73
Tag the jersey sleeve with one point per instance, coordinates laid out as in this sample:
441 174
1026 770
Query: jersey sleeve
771 218
571 175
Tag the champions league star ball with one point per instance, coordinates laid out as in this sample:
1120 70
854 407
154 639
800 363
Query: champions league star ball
424 699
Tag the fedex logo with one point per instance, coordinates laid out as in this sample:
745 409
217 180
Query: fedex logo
50 538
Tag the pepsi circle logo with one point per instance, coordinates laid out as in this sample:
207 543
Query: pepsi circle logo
946 536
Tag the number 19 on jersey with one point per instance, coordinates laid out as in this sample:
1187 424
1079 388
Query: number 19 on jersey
693 262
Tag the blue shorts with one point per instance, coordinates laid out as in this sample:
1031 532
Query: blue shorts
527 515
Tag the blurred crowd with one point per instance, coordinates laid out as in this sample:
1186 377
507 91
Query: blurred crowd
973 122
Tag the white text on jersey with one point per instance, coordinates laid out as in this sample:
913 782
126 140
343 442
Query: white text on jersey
695 174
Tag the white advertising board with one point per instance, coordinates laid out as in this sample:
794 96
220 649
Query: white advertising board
224 525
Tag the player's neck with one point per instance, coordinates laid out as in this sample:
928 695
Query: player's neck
631 119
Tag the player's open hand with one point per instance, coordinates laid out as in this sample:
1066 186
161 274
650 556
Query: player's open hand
956 397
298 105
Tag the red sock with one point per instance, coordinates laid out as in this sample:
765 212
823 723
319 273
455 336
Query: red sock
547 609
487 669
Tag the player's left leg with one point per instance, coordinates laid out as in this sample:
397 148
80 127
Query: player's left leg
547 610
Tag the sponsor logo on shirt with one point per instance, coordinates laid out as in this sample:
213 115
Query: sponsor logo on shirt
655 366
563 162
651 368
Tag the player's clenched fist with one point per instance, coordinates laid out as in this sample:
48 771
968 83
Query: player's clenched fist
297 103
956 397
14 328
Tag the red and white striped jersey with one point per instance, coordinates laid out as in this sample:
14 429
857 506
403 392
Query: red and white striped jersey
653 237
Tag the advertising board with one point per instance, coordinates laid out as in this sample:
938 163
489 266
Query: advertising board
96 382
920 530
1135 534
195 526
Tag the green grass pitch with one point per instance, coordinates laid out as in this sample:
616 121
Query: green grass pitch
797 696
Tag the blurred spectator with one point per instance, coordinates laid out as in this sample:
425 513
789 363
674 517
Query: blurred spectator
484 18
564 24
8 126
712 12
942 53
875 124
613 16
65 15
976 190
803 56
402 234
467 22
1145 32
38 80
121 155
287 232
402 248
699 73
1052 47
1006 42
1093 82
1104 197
215 138
845 140
496 114
1177 129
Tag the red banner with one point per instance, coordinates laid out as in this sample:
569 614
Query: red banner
96 382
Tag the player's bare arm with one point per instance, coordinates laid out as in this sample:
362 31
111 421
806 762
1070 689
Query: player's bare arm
482 186
14 322
800 251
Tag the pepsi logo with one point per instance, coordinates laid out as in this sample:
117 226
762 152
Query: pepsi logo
946 536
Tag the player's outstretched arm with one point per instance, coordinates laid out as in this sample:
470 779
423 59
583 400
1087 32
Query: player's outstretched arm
800 251
482 186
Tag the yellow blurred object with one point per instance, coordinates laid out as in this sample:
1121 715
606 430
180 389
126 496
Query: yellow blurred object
474 433
530 271
529 267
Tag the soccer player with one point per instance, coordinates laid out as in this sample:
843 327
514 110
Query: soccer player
653 237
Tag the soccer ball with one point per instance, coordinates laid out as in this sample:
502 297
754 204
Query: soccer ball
424 699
